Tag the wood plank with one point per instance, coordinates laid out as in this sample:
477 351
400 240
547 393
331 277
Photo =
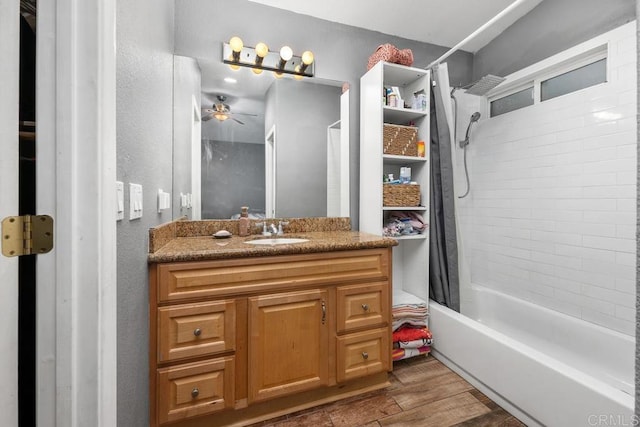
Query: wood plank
440 387
363 411
441 413
497 417
313 419
419 370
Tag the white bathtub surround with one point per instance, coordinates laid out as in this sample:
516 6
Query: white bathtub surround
544 367
552 211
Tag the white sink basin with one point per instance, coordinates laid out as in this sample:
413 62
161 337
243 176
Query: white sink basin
281 241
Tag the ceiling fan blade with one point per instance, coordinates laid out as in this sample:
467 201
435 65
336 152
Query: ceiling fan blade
207 117
245 114
236 120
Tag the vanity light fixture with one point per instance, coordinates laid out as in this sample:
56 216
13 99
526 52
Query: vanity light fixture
260 58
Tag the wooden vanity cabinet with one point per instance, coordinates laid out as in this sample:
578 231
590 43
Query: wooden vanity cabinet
238 341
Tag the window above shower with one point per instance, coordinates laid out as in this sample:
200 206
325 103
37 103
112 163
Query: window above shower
580 71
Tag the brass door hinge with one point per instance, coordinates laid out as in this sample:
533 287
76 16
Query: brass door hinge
27 235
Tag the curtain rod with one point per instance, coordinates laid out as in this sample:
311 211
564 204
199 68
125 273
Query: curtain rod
476 32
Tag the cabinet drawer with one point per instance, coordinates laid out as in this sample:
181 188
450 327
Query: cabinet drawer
195 389
363 353
195 329
362 306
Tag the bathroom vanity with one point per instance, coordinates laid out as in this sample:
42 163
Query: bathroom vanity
242 333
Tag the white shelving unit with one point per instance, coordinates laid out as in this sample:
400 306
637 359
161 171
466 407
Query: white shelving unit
411 256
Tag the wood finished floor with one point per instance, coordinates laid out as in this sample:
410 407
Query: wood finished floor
423 392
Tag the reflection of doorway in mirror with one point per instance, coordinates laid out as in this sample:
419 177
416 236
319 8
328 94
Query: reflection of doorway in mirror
270 172
196 161
338 162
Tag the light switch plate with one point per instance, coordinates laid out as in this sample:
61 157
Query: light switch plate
135 201
119 200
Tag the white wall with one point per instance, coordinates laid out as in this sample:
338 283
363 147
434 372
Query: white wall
552 210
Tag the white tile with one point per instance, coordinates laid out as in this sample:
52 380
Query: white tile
611 322
608 243
625 313
611 295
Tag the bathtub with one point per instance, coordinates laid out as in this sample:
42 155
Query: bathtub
544 367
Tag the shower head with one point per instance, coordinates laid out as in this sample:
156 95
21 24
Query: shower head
484 85
474 118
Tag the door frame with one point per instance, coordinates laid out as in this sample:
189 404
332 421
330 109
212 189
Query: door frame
76 174
9 116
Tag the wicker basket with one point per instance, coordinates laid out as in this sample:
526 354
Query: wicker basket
399 140
400 195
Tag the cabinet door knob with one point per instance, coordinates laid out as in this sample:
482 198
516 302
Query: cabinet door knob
365 355
195 392
365 307
197 332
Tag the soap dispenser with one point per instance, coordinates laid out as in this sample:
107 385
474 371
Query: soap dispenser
243 223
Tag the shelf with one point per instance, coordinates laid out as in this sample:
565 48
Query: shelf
401 115
399 75
412 237
404 208
392 158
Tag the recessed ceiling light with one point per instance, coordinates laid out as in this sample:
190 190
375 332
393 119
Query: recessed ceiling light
230 80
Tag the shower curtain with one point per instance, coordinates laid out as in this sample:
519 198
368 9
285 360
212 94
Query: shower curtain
444 285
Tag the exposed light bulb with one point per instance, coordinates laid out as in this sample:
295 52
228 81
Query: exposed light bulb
297 76
236 44
307 57
286 53
262 50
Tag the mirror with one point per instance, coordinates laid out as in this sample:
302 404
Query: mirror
277 145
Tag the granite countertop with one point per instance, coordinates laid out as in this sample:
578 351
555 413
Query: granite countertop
198 248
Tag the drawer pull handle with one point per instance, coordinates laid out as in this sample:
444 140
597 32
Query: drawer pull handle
195 392
197 332
324 312
365 307
365 355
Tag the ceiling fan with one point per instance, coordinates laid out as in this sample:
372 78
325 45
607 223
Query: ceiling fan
221 111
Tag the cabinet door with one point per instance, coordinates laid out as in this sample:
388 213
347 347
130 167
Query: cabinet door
288 343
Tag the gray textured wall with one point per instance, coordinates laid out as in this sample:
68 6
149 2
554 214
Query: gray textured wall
637 381
301 150
341 51
551 27
144 71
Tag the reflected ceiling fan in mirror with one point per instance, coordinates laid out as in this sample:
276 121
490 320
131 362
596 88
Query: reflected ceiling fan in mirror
221 111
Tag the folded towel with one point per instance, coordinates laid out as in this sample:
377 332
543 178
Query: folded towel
402 353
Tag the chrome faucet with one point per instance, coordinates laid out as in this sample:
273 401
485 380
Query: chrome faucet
280 224
273 229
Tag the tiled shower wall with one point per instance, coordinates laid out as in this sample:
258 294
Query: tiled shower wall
552 210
